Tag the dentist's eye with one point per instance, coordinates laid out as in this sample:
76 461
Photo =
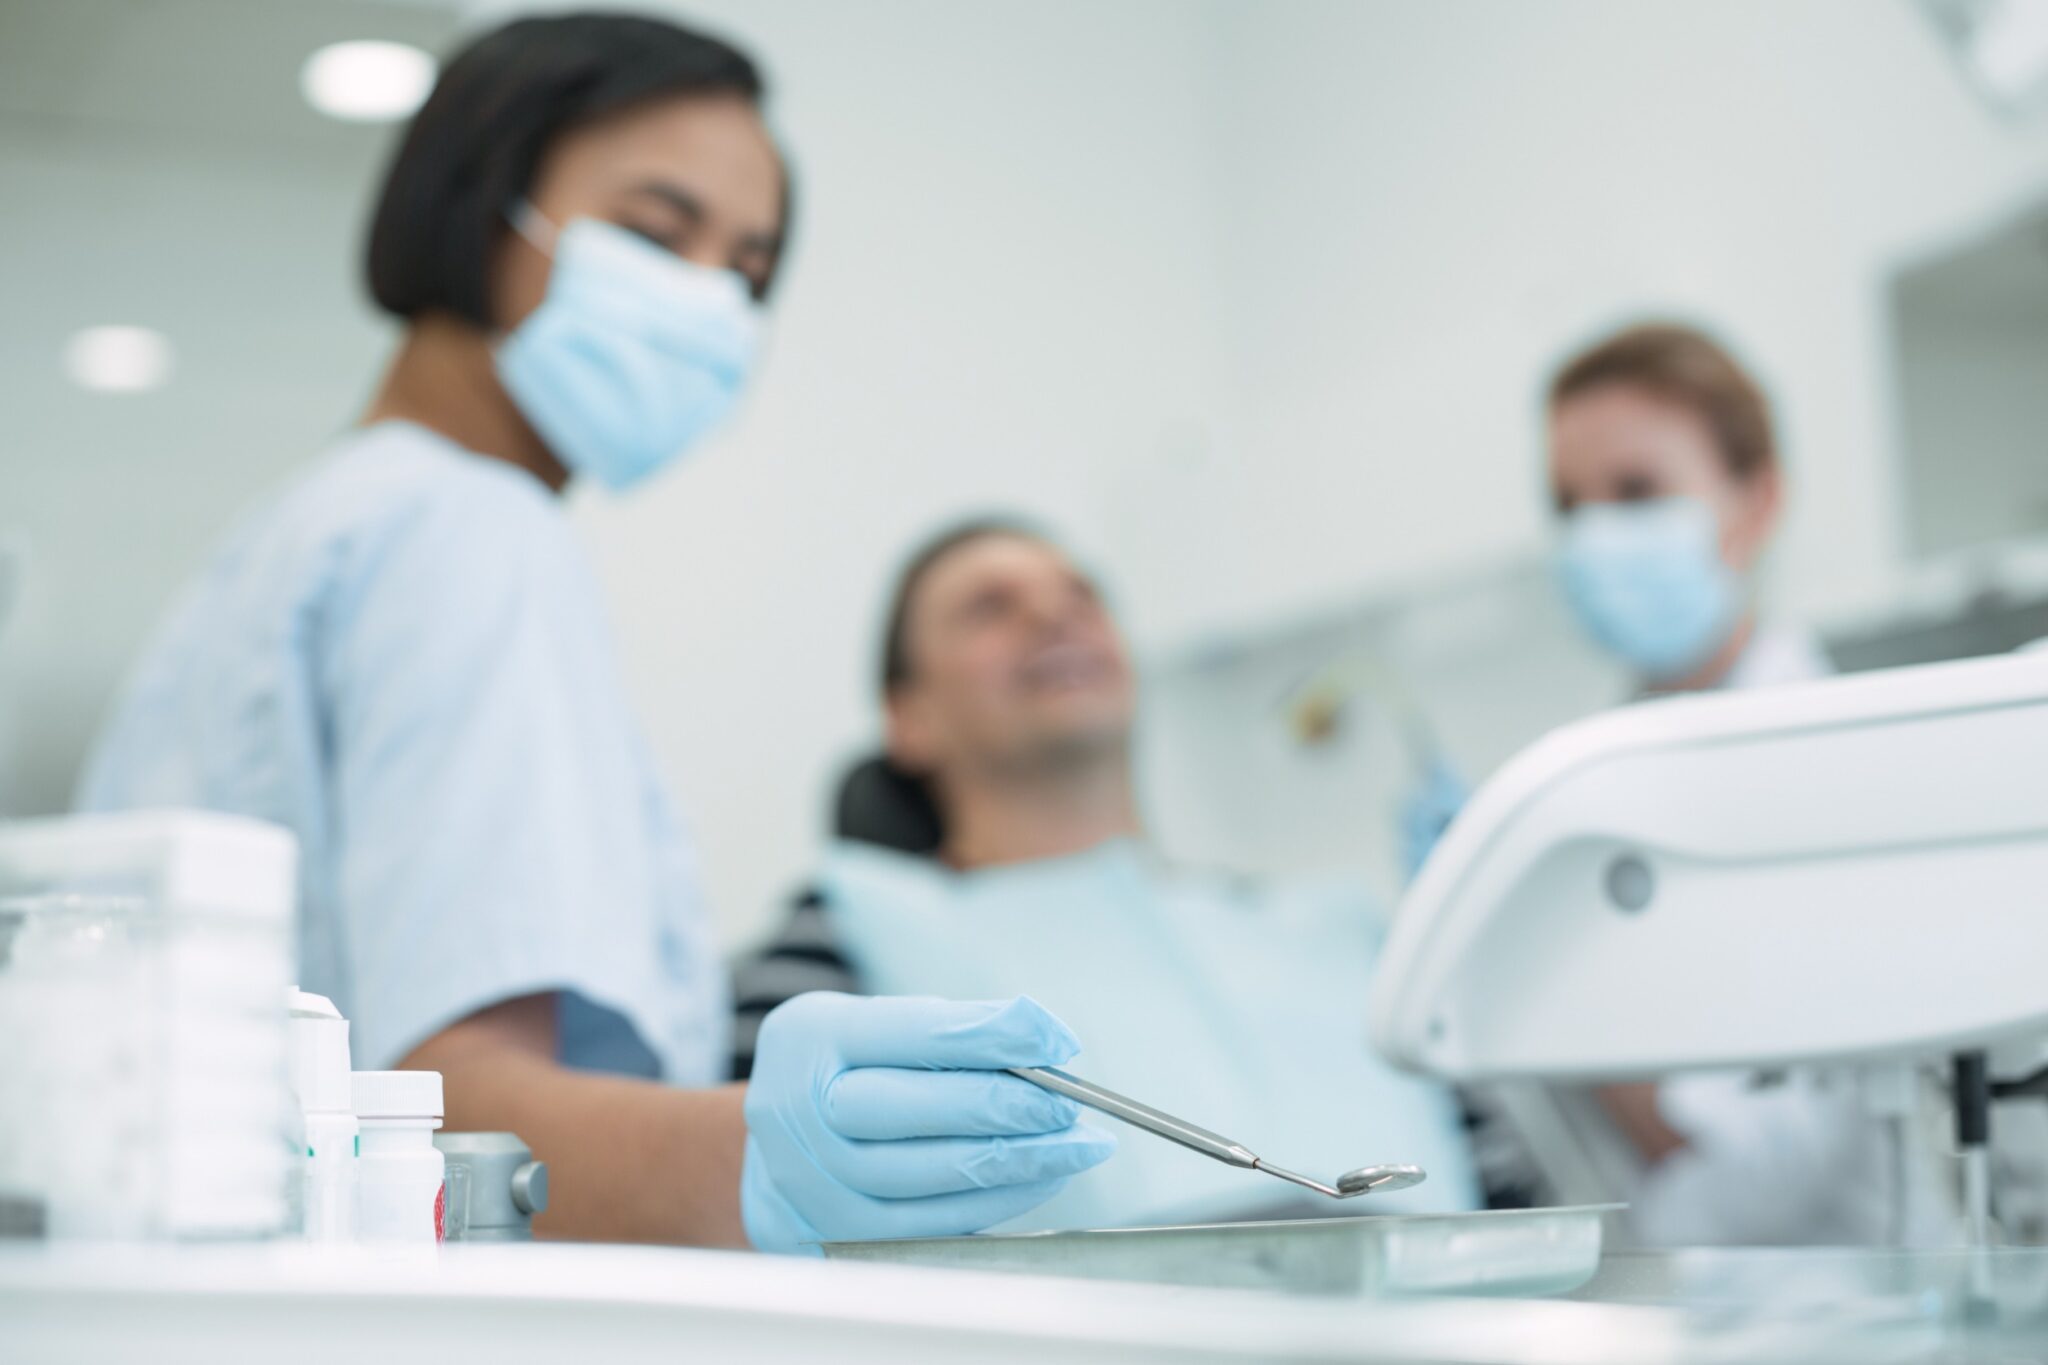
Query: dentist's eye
667 238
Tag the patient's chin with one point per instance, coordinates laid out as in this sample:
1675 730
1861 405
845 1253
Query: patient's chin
1082 725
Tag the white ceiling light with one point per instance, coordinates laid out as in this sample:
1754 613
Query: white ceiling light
367 81
2010 48
2003 47
118 359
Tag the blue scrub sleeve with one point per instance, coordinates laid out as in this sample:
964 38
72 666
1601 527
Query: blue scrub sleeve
493 833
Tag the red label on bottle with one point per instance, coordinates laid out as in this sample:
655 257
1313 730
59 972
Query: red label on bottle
441 1213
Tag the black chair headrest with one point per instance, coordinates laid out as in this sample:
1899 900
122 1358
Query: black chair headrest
880 804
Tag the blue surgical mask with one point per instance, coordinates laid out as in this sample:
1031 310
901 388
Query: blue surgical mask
1647 581
633 355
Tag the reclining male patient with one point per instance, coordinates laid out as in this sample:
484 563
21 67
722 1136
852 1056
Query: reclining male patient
1238 1006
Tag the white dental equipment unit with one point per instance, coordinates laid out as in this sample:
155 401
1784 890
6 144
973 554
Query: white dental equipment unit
1852 871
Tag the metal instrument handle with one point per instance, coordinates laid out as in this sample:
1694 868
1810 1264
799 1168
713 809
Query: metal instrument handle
1139 1115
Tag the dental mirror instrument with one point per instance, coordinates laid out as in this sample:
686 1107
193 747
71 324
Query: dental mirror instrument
1364 1180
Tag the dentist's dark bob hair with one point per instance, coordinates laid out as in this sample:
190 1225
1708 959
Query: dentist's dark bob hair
473 148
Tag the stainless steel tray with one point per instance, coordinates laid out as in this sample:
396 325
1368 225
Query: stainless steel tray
1519 1252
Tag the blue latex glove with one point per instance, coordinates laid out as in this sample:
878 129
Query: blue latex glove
1427 811
889 1117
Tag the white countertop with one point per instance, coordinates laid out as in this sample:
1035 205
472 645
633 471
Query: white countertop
551 1303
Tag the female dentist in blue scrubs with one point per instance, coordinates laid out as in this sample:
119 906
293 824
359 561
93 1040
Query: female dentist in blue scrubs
403 659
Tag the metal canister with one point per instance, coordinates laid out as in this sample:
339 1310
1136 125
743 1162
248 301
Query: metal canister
495 1187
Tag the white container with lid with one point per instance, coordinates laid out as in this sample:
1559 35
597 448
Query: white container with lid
400 1176
325 1187
142 1050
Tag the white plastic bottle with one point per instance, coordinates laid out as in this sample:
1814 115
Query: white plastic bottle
320 1078
400 1178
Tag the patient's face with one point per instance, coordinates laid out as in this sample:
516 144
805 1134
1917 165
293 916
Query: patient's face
1014 663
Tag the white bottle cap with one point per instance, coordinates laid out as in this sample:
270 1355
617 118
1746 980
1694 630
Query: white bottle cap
319 1060
398 1094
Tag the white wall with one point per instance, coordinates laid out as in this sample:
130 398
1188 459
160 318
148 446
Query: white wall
1423 204
161 169
1001 293
1002 288
1487 659
1299 352
117 498
1422 207
1251 297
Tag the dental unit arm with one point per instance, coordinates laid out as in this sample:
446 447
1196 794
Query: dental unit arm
1851 871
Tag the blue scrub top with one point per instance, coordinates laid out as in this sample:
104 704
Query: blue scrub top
404 659
1238 1006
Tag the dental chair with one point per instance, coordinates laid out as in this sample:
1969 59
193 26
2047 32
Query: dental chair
876 803
881 804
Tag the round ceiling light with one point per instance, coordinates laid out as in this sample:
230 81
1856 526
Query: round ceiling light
118 359
367 81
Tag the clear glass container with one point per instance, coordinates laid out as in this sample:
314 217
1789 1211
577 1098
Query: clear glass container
142 1091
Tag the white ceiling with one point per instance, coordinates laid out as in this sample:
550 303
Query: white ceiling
175 73
162 170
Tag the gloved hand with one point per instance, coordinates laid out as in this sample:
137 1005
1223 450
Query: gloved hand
889 1117
1427 811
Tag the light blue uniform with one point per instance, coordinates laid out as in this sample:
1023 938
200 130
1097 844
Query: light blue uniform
1240 1009
404 659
